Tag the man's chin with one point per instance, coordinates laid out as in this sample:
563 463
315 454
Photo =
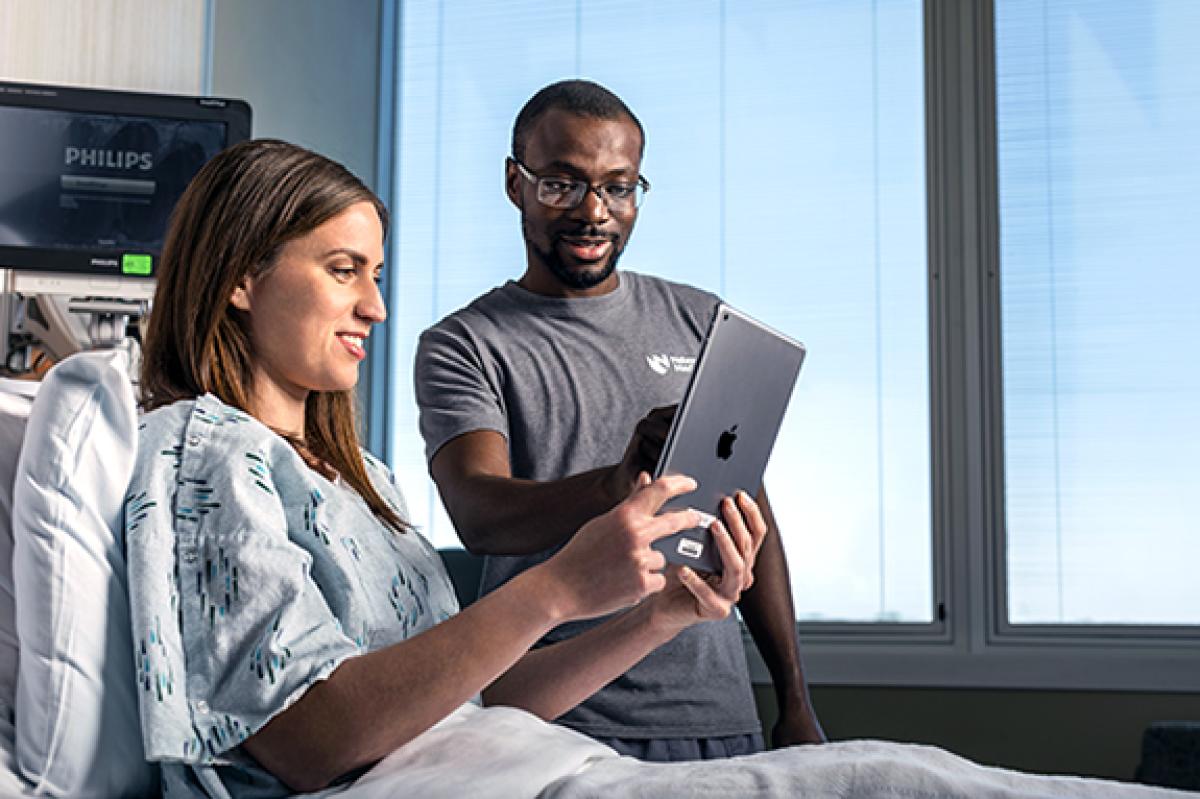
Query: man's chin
582 277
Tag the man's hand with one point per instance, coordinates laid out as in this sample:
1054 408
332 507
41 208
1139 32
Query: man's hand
641 453
797 725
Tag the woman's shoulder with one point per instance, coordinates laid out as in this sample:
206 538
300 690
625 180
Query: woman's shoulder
376 467
166 422
385 482
382 476
198 416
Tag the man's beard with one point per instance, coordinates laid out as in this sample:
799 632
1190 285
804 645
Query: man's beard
573 278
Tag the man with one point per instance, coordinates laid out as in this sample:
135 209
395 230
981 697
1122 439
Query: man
528 396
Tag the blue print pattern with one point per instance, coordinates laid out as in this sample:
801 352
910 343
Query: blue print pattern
312 519
216 738
217 586
174 454
351 547
259 469
252 577
270 656
223 415
156 674
137 507
201 500
407 596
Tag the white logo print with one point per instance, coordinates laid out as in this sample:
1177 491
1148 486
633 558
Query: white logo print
689 548
660 363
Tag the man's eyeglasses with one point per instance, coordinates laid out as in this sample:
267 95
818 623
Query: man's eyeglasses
557 191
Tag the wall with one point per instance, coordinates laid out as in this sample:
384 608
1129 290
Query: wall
310 71
1061 732
308 68
142 45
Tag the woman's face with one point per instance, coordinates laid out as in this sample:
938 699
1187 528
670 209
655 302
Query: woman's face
310 315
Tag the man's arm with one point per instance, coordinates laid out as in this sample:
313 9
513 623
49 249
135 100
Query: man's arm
770 616
497 514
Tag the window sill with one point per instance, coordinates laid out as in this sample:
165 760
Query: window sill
1052 665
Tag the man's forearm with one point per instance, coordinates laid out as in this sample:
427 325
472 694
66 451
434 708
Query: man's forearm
770 617
508 516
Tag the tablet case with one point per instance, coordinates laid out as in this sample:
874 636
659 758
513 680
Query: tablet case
726 425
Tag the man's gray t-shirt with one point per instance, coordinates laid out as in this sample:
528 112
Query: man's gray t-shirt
565 381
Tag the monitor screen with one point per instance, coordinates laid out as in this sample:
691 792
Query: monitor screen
88 178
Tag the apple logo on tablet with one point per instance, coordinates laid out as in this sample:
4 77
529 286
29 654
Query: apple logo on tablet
725 443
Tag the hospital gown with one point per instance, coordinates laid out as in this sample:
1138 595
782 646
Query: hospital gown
251 577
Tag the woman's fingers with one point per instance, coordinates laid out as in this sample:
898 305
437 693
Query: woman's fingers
733 566
747 527
650 495
747 523
736 525
673 521
755 519
709 603
737 538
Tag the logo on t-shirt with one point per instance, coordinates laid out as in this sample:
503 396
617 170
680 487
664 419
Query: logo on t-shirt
662 363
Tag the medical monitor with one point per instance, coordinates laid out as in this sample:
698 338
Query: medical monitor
88 177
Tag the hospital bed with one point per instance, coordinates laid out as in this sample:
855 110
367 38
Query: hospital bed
68 693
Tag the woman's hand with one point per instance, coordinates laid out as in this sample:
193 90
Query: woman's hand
690 597
609 564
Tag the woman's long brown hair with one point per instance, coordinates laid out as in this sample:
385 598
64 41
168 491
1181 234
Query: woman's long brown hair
232 220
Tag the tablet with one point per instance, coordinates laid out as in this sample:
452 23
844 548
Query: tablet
726 425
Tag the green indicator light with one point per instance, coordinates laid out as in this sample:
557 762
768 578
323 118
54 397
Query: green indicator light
133 264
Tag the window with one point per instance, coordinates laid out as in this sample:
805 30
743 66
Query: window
798 198
1098 104
1019 450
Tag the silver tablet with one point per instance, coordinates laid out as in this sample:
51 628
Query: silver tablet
726 425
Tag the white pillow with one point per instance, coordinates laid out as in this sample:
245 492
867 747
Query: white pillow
77 713
16 397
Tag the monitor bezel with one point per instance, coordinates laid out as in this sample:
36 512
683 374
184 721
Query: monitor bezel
234 113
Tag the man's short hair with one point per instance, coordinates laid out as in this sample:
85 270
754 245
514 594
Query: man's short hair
582 97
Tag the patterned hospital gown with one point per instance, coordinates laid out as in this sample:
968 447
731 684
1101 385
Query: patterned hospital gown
251 577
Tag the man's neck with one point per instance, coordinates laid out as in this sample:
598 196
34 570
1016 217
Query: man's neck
536 282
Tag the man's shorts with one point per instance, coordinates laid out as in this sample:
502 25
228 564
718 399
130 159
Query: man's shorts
663 750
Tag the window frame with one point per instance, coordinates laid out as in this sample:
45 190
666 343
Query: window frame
1002 632
970 642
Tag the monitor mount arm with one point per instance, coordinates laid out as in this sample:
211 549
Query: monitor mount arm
63 314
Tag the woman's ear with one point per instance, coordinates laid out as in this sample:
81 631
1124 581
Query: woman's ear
240 298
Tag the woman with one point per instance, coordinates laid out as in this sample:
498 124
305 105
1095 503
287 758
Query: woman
293 629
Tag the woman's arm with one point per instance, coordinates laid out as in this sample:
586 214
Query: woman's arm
374 703
551 680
